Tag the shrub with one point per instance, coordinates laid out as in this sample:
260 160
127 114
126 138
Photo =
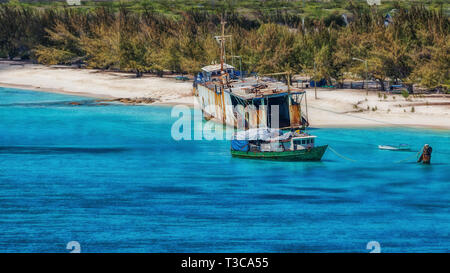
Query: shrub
405 94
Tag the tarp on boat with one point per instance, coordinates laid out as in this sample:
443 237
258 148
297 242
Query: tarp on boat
263 134
283 137
239 145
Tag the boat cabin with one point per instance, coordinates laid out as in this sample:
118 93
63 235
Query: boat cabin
293 144
302 142
213 72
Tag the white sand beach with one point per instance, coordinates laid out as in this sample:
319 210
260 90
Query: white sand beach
94 83
333 108
352 108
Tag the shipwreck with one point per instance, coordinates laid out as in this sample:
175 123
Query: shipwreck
255 101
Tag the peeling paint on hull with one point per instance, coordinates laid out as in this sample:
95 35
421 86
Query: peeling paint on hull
233 111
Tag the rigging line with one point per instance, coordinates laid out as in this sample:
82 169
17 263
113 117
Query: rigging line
406 159
338 154
352 160
346 141
374 146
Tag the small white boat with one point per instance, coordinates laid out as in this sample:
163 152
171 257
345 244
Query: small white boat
401 147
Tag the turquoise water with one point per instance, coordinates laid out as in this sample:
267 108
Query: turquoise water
112 178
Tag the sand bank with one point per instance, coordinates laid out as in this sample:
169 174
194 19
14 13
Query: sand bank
333 108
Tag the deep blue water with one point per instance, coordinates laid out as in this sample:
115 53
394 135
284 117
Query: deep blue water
112 178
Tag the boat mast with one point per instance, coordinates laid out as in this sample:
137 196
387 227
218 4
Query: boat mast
221 40
222 45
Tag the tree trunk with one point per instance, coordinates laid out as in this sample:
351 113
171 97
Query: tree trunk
383 87
410 88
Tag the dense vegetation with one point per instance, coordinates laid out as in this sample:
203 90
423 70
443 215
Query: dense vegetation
252 8
414 47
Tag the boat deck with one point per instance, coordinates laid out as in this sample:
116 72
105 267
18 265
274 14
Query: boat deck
253 87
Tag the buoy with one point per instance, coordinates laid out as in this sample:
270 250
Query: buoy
425 158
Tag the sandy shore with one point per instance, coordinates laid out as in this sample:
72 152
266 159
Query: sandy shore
94 83
352 108
333 108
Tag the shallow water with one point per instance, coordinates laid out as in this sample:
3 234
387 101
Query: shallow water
112 178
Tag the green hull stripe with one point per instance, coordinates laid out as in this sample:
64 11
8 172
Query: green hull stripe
314 154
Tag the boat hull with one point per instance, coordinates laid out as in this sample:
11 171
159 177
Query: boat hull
393 148
314 154
222 107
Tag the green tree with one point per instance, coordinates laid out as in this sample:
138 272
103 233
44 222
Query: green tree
64 49
273 49
434 69
102 46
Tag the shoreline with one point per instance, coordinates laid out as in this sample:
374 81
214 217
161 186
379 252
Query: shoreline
362 126
192 105
89 95
354 125
340 108
55 91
